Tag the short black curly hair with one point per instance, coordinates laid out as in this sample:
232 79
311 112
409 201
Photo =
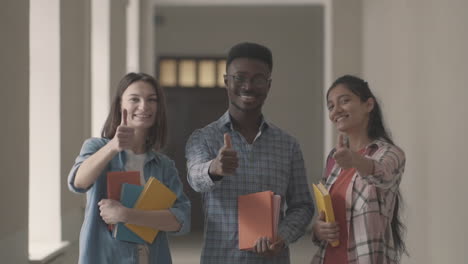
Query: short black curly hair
251 51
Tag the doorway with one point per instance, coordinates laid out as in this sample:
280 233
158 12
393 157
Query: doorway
187 110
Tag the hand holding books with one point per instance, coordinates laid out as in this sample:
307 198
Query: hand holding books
328 231
123 186
325 228
112 211
258 217
265 247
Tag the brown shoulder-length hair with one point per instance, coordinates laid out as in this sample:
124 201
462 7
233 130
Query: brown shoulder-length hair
157 134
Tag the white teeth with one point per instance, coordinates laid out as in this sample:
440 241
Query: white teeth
340 118
248 98
142 116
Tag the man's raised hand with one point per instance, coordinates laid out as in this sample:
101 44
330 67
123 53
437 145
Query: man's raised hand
226 162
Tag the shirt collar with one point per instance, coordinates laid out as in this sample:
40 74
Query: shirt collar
225 123
152 155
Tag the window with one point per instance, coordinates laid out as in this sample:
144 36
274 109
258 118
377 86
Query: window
191 72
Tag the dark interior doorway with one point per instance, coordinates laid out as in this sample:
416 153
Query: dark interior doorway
189 109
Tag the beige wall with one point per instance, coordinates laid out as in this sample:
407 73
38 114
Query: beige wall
414 55
118 42
347 38
14 161
295 36
147 45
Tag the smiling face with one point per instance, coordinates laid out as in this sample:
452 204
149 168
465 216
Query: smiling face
347 111
141 102
247 82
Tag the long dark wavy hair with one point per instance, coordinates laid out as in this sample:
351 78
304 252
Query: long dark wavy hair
157 133
376 130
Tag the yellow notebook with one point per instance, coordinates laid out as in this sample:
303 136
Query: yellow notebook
155 196
324 203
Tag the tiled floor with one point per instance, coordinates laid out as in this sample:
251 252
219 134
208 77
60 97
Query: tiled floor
186 249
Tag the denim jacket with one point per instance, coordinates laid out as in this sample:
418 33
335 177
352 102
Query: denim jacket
96 242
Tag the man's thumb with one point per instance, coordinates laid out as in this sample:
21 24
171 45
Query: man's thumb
227 140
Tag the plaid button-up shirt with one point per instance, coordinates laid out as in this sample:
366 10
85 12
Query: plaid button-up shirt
370 202
272 162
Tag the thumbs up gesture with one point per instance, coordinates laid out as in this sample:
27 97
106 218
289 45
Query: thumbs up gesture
226 162
124 135
343 155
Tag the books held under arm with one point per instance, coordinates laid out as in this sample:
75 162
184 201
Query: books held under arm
155 196
258 216
115 179
324 204
130 194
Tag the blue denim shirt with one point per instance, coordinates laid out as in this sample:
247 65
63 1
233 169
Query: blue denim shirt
96 242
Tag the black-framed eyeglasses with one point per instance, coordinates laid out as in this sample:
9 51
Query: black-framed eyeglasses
256 81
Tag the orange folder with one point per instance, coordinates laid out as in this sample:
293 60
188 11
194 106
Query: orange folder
258 216
324 203
155 196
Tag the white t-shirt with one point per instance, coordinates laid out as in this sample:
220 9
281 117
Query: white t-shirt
136 162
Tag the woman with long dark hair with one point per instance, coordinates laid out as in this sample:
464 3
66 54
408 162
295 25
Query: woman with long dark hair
363 174
133 134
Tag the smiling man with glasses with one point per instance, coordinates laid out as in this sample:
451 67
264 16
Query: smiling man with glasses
243 153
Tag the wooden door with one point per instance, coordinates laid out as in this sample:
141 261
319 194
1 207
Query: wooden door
189 109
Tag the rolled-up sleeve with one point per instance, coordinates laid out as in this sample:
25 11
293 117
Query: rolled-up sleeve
182 205
199 159
300 206
90 146
389 165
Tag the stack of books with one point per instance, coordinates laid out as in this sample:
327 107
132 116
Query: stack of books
154 195
258 216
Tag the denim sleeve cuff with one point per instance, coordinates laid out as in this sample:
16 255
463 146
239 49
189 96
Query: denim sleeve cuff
71 180
182 219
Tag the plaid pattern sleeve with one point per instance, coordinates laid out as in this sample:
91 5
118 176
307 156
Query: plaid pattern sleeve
389 164
300 208
272 162
199 158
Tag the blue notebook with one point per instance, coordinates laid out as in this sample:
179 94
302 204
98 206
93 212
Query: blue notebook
128 198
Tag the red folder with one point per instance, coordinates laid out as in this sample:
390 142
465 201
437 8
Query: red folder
258 215
115 179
